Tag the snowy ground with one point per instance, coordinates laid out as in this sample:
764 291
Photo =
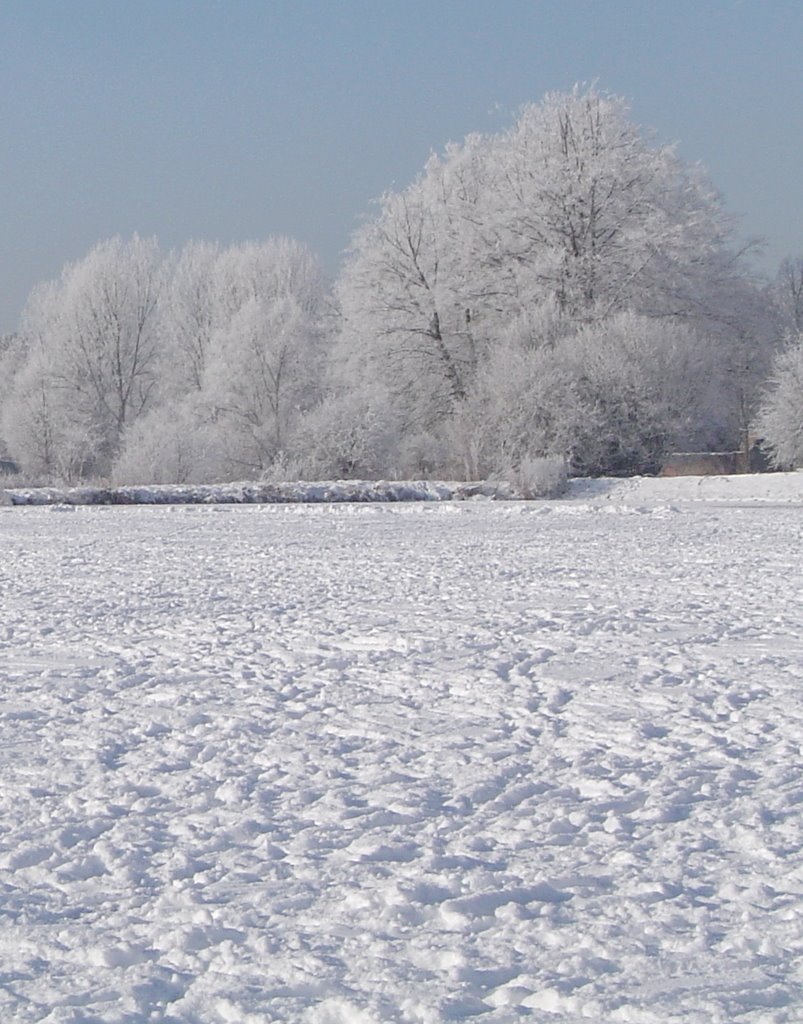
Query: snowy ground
359 764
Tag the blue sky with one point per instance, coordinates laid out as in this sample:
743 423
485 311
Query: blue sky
235 119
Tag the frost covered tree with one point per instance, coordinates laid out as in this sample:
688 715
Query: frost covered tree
787 292
404 300
92 365
585 208
243 358
266 356
260 376
185 369
190 312
574 209
107 334
574 203
46 435
780 418
12 358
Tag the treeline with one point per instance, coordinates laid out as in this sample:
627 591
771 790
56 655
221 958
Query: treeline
568 287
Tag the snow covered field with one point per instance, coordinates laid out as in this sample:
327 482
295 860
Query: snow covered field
359 764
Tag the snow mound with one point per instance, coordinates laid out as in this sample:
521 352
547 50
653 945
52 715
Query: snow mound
642 490
768 487
250 493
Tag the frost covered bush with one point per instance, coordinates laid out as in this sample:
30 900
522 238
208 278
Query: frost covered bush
91 367
610 396
780 419
541 476
633 384
510 415
170 446
348 435
48 437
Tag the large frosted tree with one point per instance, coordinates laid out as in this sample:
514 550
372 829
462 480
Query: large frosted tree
583 206
575 211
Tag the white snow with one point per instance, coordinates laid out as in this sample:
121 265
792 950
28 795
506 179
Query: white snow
367 763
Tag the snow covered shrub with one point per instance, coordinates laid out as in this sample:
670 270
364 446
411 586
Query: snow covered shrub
780 418
631 385
50 440
541 476
286 468
611 396
348 435
423 455
513 413
170 446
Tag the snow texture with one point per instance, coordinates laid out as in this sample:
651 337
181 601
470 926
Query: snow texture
367 763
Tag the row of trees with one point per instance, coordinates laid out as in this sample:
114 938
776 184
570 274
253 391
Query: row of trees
165 368
567 287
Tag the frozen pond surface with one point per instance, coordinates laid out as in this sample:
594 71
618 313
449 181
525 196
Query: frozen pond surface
408 763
